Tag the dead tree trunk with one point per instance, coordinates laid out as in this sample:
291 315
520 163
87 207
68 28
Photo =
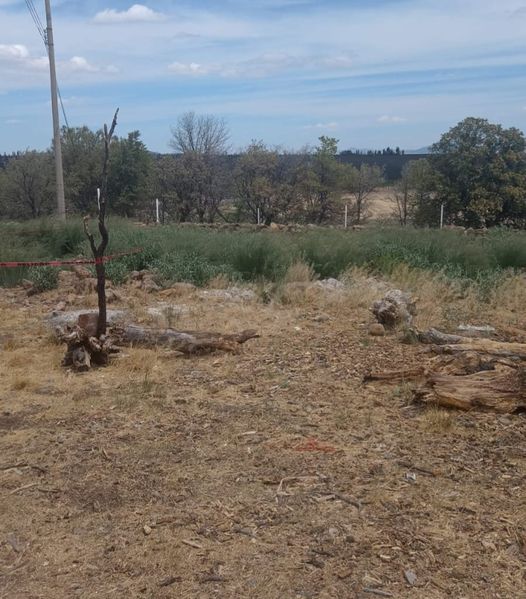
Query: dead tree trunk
98 250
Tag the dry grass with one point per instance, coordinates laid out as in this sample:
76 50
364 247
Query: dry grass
214 451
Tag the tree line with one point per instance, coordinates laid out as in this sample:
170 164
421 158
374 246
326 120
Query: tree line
476 173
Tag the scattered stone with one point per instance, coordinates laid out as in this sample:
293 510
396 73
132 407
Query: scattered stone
321 318
179 289
81 271
27 284
410 576
59 320
232 294
377 330
147 530
330 284
395 309
61 306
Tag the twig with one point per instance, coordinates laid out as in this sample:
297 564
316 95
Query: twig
13 466
22 488
378 592
193 544
417 468
355 502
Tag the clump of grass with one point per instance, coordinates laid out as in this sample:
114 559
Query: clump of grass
44 278
438 420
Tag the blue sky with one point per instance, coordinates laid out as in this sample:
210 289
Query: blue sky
370 72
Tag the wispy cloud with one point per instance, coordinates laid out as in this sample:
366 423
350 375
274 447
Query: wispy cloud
138 13
391 119
263 65
330 125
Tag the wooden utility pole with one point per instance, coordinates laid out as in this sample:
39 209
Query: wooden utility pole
61 203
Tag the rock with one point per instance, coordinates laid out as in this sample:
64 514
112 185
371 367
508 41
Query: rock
321 318
149 285
61 306
147 530
59 320
377 330
113 296
410 576
330 284
27 284
81 272
179 289
232 294
395 309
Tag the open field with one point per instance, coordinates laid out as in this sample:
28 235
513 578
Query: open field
270 473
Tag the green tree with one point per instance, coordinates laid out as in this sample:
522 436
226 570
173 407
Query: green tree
481 170
262 183
414 194
82 152
129 174
27 186
318 181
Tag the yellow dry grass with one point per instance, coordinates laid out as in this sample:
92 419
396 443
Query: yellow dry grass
205 450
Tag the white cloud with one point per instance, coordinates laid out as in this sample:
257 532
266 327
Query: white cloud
79 63
17 56
330 125
138 13
390 119
12 121
192 68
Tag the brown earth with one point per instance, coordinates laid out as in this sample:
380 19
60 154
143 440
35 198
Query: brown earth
273 473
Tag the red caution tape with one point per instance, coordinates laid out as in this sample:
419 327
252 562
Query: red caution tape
71 262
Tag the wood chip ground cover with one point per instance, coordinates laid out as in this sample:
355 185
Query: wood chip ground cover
270 473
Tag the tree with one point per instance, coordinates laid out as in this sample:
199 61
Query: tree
27 186
361 182
318 181
201 142
481 170
129 172
82 151
262 182
413 193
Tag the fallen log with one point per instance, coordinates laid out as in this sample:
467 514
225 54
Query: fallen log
502 391
187 342
485 346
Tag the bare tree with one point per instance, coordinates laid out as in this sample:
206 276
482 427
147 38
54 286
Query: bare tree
205 135
98 250
201 142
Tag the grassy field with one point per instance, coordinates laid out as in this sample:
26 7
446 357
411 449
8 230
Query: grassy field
199 254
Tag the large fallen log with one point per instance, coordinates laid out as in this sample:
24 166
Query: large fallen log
187 342
485 346
501 391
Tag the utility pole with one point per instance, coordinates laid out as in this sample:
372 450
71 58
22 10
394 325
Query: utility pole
61 203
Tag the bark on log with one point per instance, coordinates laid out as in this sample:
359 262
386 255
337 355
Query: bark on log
502 391
485 346
187 342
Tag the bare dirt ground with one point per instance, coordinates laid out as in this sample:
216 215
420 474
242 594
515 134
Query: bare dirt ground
272 473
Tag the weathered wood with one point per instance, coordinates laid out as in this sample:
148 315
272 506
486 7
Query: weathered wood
485 346
188 342
433 336
396 376
501 391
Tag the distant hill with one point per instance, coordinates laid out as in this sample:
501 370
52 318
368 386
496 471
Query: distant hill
424 150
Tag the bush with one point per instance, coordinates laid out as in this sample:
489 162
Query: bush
44 278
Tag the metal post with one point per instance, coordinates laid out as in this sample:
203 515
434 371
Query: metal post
259 217
442 215
346 212
61 203
157 211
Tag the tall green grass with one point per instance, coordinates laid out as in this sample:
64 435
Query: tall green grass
196 255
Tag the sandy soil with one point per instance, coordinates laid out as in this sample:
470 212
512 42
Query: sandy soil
273 473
